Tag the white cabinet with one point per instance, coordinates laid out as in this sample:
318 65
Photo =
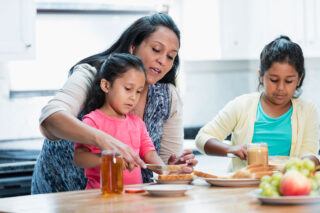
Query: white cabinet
239 29
312 28
17 24
246 26
299 19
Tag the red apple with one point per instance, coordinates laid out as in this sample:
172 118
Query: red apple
294 183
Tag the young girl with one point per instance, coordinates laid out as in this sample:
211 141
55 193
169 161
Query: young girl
116 91
288 124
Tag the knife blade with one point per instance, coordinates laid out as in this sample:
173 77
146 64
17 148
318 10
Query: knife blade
163 167
230 155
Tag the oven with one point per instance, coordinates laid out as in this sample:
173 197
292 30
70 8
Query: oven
16 168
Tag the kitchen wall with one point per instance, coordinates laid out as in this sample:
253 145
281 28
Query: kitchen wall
206 86
209 85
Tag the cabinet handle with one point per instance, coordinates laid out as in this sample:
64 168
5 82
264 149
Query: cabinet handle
28 45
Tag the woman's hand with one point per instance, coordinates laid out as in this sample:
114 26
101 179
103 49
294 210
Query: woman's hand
239 150
131 159
187 158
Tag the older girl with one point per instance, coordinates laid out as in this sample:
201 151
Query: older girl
288 124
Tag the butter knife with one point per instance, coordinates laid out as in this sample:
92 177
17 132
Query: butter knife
230 155
163 167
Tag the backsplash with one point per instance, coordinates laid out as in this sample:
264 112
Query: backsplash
209 85
206 86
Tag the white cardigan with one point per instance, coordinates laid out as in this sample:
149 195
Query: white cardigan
239 115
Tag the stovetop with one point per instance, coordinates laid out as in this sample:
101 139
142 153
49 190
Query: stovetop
18 155
16 168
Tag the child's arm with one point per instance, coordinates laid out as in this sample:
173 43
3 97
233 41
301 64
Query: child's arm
215 147
152 157
84 158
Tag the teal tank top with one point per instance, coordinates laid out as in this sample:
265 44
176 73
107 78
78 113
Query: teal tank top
276 132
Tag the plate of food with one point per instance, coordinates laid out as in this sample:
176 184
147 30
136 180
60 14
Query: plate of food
285 200
233 181
167 189
175 179
248 176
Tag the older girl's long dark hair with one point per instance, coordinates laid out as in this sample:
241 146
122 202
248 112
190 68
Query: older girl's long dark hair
133 36
111 69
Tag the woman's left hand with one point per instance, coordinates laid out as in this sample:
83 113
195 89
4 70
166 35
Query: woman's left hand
187 158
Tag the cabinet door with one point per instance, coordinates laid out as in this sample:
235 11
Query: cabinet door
285 17
17 24
312 28
234 28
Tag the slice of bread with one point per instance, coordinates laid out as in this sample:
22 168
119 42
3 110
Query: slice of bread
176 177
255 171
204 175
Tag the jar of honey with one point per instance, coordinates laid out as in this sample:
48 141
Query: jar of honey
258 153
111 176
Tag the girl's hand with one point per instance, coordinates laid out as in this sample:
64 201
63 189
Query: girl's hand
187 158
240 151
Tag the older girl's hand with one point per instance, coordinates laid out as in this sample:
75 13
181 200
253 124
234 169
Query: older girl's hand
187 159
240 151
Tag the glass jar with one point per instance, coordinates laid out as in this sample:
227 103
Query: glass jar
258 153
111 174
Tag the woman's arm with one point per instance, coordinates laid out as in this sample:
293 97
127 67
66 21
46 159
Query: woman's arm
84 158
58 118
172 134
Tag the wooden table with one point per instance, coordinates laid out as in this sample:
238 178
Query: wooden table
202 198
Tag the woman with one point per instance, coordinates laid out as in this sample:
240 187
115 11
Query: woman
156 40
277 116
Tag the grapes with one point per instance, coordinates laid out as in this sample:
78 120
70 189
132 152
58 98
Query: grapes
314 184
266 179
304 171
308 164
270 185
304 166
317 176
277 176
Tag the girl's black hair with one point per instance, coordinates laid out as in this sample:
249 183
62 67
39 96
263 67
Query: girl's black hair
133 36
112 68
283 50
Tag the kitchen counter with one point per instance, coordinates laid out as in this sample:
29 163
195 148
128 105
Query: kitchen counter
201 198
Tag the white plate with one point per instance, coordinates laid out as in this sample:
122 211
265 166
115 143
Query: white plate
167 189
173 181
292 200
233 182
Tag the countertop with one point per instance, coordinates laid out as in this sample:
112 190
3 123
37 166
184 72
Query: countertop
201 198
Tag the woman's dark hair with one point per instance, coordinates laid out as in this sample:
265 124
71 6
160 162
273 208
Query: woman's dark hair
283 50
133 36
112 68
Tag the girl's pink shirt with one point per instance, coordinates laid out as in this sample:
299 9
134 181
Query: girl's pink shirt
130 130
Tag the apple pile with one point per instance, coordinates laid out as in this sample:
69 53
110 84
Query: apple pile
298 178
